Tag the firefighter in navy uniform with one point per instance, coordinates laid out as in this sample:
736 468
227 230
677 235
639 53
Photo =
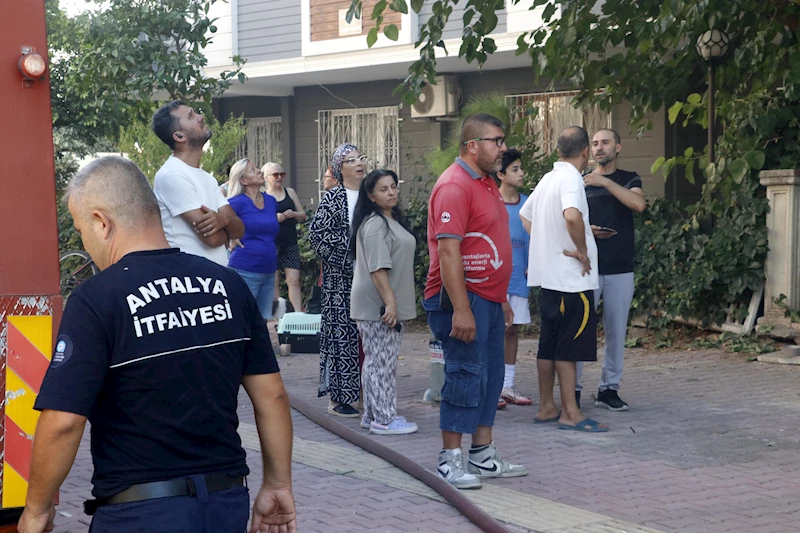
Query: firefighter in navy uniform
152 352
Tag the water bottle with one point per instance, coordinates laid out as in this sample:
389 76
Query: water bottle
434 393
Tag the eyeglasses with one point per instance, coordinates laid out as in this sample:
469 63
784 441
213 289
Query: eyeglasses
499 141
279 175
355 161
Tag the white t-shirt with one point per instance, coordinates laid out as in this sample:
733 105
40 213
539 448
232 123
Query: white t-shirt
352 198
548 267
180 188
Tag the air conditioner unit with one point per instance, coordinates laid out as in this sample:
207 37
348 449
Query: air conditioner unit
440 100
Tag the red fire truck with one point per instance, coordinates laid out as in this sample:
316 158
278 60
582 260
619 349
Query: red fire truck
30 305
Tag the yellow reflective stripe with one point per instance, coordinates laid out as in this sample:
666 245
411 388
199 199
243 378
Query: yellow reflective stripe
561 307
19 402
15 488
38 330
585 316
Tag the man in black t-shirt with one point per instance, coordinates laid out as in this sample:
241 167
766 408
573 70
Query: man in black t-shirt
613 195
152 352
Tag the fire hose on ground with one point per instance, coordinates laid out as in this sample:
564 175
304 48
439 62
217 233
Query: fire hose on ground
475 514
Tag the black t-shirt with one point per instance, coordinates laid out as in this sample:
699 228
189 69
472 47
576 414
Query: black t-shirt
152 350
615 254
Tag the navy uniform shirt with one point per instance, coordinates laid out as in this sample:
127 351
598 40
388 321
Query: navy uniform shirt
614 255
152 350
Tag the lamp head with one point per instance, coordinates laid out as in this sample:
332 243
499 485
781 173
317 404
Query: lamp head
713 46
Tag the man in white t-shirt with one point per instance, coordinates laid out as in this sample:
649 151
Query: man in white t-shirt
562 261
196 217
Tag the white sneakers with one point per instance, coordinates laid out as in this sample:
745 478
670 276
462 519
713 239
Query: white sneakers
483 463
398 426
486 462
453 469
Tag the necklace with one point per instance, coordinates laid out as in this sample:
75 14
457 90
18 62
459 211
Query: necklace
258 200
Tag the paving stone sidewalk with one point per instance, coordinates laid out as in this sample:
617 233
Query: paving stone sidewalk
711 444
326 502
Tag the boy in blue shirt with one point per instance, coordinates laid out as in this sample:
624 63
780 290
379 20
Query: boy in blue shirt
511 177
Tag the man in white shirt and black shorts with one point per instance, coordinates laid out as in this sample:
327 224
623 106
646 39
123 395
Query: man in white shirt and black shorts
562 254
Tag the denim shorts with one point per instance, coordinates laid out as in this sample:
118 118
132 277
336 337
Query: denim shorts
263 288
474 371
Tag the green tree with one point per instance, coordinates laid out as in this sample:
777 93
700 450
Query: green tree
140 144
703 261
534 162
67 149
109 66
614 51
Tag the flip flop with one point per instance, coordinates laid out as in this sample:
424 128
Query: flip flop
586 425
548 421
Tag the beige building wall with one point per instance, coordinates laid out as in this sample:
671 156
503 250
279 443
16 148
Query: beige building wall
639 153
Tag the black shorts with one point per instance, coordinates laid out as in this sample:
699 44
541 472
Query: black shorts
569 326
289 256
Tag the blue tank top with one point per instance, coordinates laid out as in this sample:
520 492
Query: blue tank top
518 285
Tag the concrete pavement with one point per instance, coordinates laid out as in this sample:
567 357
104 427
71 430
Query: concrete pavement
711 444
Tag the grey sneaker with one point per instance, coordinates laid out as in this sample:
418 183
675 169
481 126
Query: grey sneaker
487 463
365 422
453 469
398 426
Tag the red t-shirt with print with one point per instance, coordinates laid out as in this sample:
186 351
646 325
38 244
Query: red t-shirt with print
472 210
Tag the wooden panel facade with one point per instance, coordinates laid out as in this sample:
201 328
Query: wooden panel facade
325 18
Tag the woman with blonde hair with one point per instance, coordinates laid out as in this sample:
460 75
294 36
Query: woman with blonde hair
290 213
254 257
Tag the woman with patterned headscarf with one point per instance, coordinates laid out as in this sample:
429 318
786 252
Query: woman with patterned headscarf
329 234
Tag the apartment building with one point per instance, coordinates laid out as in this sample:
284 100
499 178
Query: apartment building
313 83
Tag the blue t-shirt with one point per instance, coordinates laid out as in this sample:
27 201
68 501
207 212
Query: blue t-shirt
259 254
152 351
518 285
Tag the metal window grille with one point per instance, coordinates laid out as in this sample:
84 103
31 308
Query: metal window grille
375 130
263 141
555 112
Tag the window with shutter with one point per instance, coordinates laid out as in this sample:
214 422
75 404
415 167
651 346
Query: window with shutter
263 141
375 130
554 113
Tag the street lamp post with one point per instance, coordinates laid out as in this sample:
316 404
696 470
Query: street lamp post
712 46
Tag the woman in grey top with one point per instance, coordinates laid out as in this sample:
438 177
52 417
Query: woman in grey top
382 297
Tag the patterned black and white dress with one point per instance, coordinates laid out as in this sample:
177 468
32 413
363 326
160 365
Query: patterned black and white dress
329 234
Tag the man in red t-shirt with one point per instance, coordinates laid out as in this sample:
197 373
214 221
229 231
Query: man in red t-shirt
465 297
